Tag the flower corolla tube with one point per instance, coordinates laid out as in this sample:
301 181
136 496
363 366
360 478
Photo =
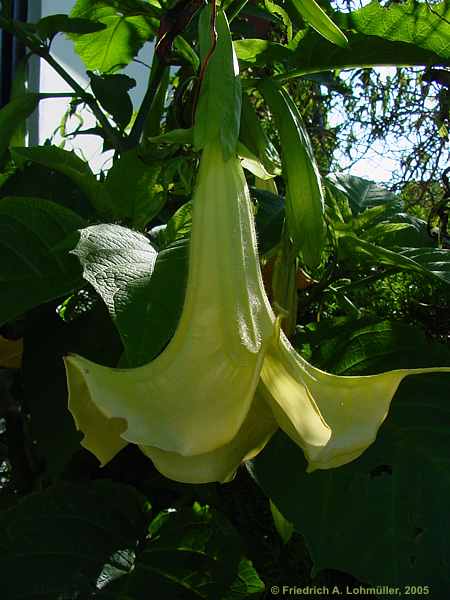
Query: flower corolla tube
229 377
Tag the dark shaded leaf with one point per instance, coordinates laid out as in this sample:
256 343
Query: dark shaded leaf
112 93
269 219
33 179
192 554
31 270
54 544
60 23
70 165
47 339
132 185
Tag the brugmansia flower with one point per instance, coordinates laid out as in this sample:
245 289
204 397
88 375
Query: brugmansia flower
229 377
197 395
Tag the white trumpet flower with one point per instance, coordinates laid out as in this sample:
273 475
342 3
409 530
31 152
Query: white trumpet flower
196 410
195 396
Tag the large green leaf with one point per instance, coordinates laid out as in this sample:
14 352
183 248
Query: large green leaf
70 165
430 262
400 230
49 26
31 270
116 45
112 93
143 291
269 218
357 347
33 179
363 193
378 518
136 196
305 210
315 54
419 23
192 554
434 260
54 544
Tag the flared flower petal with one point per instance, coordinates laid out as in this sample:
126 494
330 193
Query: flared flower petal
195 396
332 418
220 464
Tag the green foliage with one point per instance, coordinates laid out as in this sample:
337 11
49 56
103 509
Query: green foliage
411 22
46 537
53 24
304 196
117 43
33 270
193 553
142 290
112 93
70 165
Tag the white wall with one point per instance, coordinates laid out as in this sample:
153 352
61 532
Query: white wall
51 111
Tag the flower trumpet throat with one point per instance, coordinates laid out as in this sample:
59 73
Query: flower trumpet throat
195 396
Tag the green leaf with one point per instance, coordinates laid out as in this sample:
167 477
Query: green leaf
218 110
47 339
12 115
253 136
70 165
363 346
179 225
431 262
136 196
175 136
31 271
313 14
112 93
284 527
115 46
260 52
434 260
54 544
399 230
153 122
314 54
247 584
185 51
269 219
192 554
60 23
143 291
52 185
276 9
304 196
425 26
363 194
118 263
